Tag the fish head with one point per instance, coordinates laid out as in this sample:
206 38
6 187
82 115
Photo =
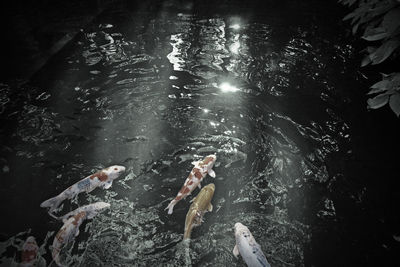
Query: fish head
31 239
101 205
30 244
210 187
241 229
96 208
114 171
209 161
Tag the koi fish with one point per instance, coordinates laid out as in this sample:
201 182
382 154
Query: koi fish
248 248
199 171
91 209
200 205
70 229
30 254
103 178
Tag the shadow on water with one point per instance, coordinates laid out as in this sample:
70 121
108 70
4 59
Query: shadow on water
156 87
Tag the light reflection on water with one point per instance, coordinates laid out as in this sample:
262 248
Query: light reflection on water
156 99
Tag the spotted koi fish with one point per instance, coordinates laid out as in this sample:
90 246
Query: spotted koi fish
103 178
199 171
248 248
200 205
90 209
30 254
70 229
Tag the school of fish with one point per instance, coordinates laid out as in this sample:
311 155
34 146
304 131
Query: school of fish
246 245
72 220
196 176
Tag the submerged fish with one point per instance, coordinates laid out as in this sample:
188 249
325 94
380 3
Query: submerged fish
103 178
91 210
201 204
30 254
70 229
248 248
199 171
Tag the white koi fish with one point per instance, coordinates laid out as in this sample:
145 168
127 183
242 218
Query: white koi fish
70 229
248 248
199 171
91 210
103 178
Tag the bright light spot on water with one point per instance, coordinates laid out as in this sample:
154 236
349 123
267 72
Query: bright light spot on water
175 57
173 77
235 47
213 124
206 110
226 87
235 26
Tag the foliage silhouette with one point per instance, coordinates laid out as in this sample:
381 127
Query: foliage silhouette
380 22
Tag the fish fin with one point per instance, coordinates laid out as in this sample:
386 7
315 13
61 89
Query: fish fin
211 173
107 185
199 186
52 203
210 207
77 232
236 251
56 257
54 216
170 206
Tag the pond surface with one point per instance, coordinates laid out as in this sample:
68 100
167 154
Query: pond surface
156 90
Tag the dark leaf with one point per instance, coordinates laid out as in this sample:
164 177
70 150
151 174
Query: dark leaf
347 2
371 49
381 84
391 21
381 8
366 60
384 51
376 90
396 79
355 28
350 15
379 87
351 2
375 34
394 103
378 101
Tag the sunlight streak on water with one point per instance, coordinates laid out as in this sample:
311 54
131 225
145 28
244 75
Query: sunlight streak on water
175 57
235 26
228 88
234 48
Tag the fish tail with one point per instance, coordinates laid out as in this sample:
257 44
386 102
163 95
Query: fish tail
52 203
189 223
188 233
171 205
56 256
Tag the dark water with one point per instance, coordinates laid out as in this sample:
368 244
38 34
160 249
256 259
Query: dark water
262 90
